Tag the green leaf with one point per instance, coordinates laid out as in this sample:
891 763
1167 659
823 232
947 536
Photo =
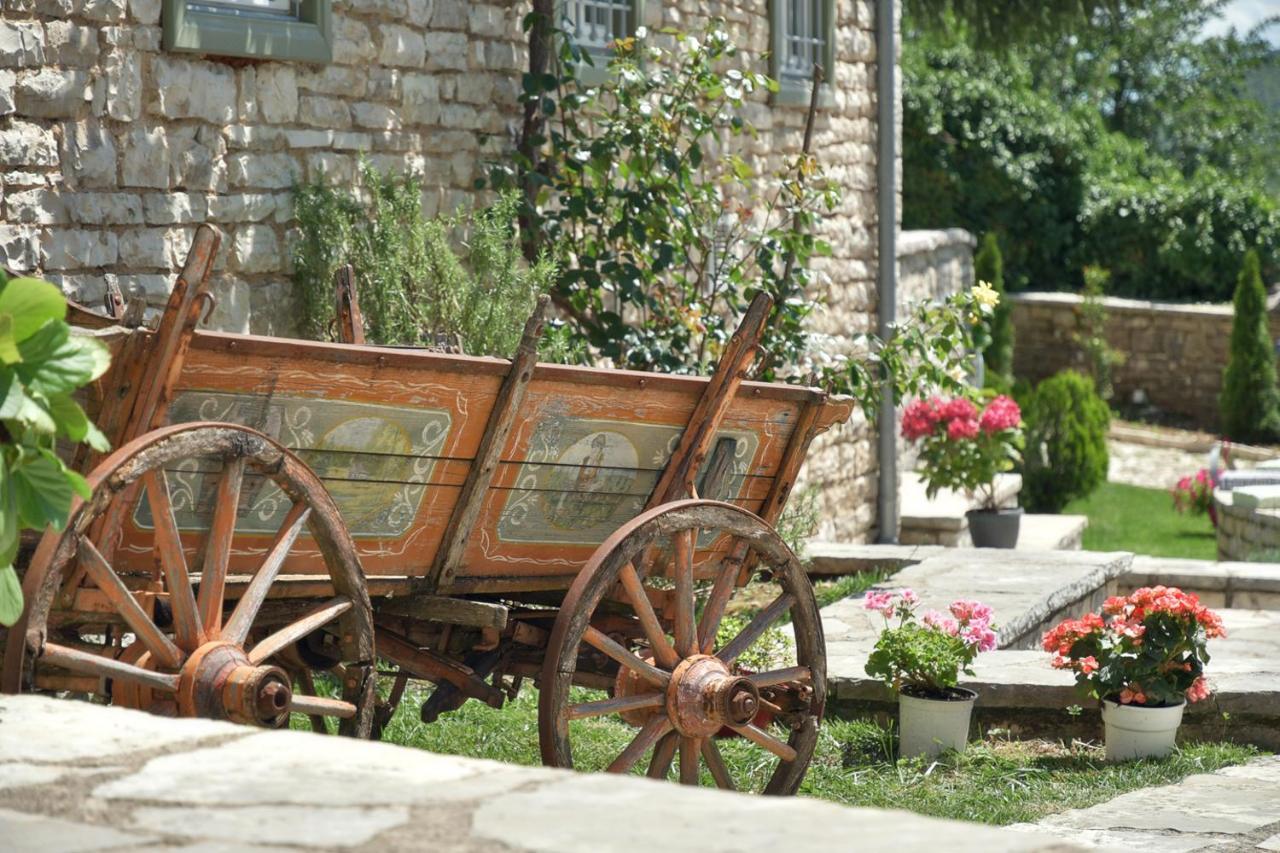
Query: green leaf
74 424
31 303
8 517
55 361
10 596
8 346
43 488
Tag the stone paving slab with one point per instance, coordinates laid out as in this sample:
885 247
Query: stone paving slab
1237 808
1219 584
191 785
1050 532
841 558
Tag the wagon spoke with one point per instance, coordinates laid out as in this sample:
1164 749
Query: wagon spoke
613 649
747 637
689 748
663 753
781 676
647 737
617 705
161 647
213 575
186 624
760 737
237 627
713 612
685 630
319 706
317 618
104 667
715 763
662 650
308 685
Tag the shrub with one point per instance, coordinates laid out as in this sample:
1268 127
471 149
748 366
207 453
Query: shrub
415 287
1249 403
988 266
1091 332
1066 453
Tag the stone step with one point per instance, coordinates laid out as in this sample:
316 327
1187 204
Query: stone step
1048 532
1252 586
940 520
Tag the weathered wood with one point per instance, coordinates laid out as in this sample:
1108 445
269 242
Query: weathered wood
213 574
756 627
349 319
453 611
685 630
104 667
682 468
715 763
658 643
237 627
424 663
781 676
690 747
321 706
663 753
613 649
186 621
502 417
647 737
762 738
322 615
160 646
616 705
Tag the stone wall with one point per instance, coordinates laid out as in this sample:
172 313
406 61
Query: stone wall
112 150
932 265
1173 354
1244 533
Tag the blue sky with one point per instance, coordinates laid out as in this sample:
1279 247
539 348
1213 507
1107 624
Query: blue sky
1245 14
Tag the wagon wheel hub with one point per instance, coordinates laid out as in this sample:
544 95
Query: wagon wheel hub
704 697
219 682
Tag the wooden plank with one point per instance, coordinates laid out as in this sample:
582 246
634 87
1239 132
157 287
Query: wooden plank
104 667
453 611
160 646
678 478
501 418
424 663
350 321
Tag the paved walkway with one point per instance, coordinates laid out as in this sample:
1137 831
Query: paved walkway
81 777
1237 809
1151 467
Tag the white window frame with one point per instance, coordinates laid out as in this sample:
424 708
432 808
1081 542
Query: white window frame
815 22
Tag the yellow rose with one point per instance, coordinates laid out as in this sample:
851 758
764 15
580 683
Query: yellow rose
985 295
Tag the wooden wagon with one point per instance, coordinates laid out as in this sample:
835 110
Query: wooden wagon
281 508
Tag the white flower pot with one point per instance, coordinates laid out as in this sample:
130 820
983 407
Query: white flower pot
929 727
1133 731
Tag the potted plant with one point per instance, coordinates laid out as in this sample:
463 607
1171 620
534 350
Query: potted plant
1143 657
963 447
921 660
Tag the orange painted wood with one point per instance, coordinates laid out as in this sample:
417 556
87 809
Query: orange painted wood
186 622
213 574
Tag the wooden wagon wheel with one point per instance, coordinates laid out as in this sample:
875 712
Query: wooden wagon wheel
682 690
173 648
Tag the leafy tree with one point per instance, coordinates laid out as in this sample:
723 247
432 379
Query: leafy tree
1066 453
1250 402
988 266
42 363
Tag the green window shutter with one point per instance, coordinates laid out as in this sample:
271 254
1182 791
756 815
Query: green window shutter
305 36
801 32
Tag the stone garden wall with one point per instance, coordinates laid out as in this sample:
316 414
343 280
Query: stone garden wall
1245 533
112 150
1174 354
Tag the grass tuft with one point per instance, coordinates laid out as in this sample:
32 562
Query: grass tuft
1130 518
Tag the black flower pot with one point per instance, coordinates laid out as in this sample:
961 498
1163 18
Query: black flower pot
994 528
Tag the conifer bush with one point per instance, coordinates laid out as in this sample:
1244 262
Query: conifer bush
1066 449
988 266
1249 402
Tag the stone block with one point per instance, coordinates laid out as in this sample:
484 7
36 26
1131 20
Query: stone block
198 159
146 161
375 116
329 113
65 249
69 44
52 92
88 155
488 20
449 15
266 171
352 42
401 46
232 306
277 93
19 248
446 50
24 143
174 208
193 89
326 165
241 207
36 207
7 104
105 209
254 249
142 248
124 85
21 44
145 11
332 80
108 11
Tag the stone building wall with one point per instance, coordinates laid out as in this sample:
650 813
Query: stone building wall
112 150
933 265
1174 354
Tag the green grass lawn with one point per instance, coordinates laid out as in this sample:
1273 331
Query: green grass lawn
1129 518
997 781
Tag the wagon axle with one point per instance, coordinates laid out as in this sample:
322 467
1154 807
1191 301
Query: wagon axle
218 681
704 697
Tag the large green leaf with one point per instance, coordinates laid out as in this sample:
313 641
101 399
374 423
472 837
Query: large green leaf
54 361
74 424
8 344
10 596
31 303
42 490
8 516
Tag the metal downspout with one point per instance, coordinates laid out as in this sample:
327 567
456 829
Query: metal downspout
887 266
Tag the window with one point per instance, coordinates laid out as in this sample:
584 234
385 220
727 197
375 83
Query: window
595 23
803 36
271 29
